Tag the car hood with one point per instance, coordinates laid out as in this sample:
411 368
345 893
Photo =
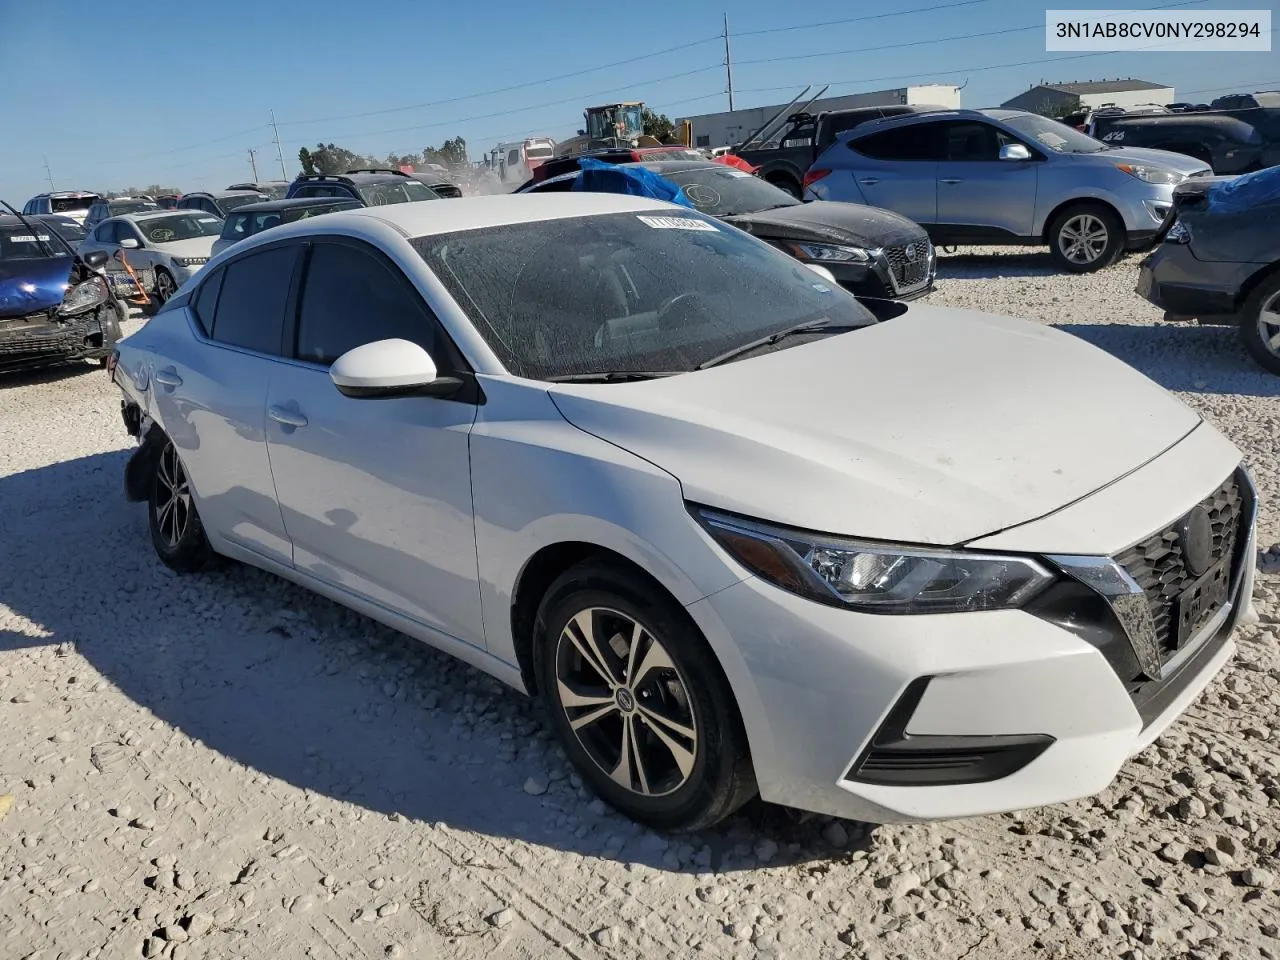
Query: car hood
937 427
27 286
831 221
195 247
1165 158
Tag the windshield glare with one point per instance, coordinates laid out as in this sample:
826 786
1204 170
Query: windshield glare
1053 135
117 207
68 229
72 204
396 191
722 191
627 291
180 226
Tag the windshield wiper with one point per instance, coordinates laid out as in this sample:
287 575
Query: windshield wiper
813 326
612 376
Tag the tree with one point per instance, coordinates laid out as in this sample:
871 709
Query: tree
151 190
658 125
331 158
451 153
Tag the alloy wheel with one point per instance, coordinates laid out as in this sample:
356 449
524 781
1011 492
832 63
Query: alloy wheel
165 287
173 498
1269 324
1083 238
626 702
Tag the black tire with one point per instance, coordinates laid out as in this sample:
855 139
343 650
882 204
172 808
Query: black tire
176 531
783 182
166 287
685 689
1256 339
1091 218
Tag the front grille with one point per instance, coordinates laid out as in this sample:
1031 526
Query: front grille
38 334
909 274
1158 566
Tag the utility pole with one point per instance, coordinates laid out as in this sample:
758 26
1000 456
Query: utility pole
253 164
279 153
728 60
49 173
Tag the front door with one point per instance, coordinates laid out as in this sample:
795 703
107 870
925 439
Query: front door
979 192
375 493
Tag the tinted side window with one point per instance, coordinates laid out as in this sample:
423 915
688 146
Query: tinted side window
105 233
255 290
972 141
917 142
235 227
206 300
349 298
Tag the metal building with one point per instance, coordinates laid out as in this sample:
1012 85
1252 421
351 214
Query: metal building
1055 99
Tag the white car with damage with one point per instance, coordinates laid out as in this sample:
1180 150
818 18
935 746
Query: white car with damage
737 534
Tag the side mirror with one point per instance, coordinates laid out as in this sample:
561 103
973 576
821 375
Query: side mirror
824 273
130 243
390 368
95 259
1014 151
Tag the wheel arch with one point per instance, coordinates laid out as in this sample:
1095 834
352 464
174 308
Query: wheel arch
1084 201
1257 279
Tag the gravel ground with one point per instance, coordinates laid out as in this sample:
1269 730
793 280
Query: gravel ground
226 766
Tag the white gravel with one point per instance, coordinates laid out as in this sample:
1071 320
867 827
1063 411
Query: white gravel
226 766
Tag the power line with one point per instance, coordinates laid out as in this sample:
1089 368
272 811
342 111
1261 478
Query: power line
862 19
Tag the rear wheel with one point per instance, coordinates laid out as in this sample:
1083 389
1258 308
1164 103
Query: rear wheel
786 183
639 700
1260 323
1086 237
176 531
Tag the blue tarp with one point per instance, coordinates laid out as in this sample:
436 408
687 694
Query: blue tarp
1246 191
599 177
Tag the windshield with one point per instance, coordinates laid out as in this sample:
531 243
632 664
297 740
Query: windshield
1053 135
627 292
19 243
66 228
396 191
72 204
230 203
276 191
179 226
117 207
722 191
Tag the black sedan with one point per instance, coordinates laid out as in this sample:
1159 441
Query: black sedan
1220 260
875 254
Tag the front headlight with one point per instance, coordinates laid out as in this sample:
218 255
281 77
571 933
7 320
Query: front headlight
876 577
1151 174
830 253
89 295
190 261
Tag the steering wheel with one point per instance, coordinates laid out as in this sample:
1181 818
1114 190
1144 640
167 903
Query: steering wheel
680 306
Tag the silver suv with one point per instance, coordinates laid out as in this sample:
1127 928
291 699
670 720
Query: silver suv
996 177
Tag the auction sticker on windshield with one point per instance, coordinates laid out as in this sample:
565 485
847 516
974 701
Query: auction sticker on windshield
677 223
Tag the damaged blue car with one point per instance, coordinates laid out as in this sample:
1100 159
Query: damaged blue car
55 305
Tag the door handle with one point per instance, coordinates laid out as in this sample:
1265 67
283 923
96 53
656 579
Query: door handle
870 181
951 180
167 378
288 418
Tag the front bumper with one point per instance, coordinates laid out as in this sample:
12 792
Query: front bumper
1173 279
43 338
889 275
1052 710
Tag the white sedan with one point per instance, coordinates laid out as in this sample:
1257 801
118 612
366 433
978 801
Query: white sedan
174 244
736 533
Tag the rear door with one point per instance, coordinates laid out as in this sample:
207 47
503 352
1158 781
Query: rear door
896 169
210 392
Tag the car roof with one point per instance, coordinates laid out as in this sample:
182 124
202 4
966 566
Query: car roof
362 177
267 206
223 194
423 218
61 194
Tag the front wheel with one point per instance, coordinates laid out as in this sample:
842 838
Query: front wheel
1260 324
1085 238
166 287
640 701
176 531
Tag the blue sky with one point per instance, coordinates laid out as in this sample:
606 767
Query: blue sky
129 95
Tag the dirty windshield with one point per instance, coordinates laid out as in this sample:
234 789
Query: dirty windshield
1053 135
21 243
722 191
396 191
180 226
627 291
72 204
